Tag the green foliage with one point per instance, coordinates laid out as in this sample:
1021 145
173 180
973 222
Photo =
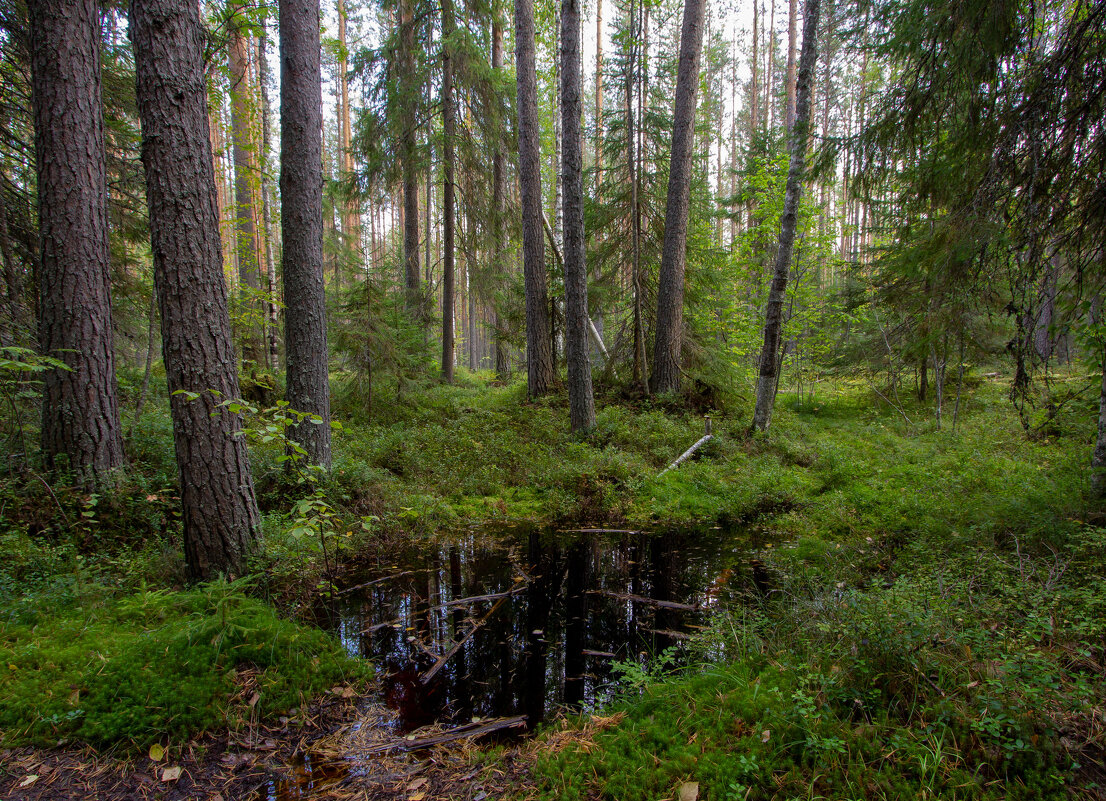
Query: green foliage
157 664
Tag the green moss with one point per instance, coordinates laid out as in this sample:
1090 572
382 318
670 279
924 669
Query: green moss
157 664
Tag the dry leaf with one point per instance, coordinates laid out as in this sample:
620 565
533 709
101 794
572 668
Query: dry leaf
689 791
765 735
416 784
254 699
170 774
157 752
29 780
419 796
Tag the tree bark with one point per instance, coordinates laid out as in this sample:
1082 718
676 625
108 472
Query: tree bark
448 124
245 199
409 92
271 245
773 318
80 412
301 192
539 350
581 403
217 497
792 24
670 294
499 209
351 208
1098 457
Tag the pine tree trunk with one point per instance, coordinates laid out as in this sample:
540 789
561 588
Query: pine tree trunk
499 201
217 499
449 123
245 200
670 293
580 400
539 351
773 318
1098 457
633 83
301 192
80 413
410 168
792 24
351 208
267 203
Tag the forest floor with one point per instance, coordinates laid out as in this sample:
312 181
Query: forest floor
935 624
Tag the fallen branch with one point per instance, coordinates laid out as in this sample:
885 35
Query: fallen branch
687 454
477 729
597 531
641 599
376 581
458 645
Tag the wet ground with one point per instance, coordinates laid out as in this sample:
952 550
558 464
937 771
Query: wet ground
503 630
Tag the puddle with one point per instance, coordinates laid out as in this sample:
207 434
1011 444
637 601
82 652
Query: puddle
525 622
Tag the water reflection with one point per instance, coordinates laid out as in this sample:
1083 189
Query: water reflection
528 620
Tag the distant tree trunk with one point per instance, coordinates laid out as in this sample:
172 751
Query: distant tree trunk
410 168
267 201
670 294
773 318
448 217
351 208
217 498
640 370
80 413
539 351
301 192
598 96
792 20
1098 457
580 401
245 200
499 201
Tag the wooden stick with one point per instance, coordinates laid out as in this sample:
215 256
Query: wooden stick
458 733
457 645
597 531
376 581
641 599
686 454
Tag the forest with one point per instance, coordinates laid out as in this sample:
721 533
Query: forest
622 399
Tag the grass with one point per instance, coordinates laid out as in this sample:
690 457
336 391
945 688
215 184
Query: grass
935 626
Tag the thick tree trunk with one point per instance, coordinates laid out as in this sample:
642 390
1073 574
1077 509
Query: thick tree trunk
581 403
449 122
539 351
80 413
301 192
245 199
670 293
217 498
773 318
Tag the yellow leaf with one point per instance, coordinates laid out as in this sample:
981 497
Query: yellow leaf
157 752
170 774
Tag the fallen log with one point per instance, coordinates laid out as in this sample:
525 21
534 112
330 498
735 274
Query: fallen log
476 729
641 599
687 454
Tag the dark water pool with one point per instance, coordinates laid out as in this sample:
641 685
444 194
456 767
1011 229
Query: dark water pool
524 621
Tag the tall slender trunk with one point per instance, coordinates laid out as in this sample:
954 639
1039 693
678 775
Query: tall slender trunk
351 208
245 200
448 217
217 498
580 400
1098 457
408 92
670 293
499 200
267 200
539 352
301 192
81 430
632 83
792 24
598 96
773 318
